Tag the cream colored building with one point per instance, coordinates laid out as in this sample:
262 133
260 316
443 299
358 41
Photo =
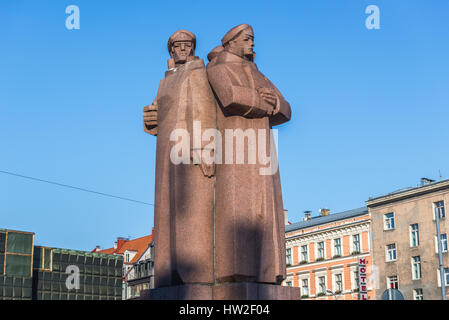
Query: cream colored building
405 250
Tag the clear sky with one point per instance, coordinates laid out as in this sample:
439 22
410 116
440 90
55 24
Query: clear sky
370 107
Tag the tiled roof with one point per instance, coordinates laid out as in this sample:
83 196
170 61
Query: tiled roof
314 221
138 245
107 251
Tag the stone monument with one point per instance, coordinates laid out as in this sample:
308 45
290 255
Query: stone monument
219 226
183 221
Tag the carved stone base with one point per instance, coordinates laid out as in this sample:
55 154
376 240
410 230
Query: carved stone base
226 291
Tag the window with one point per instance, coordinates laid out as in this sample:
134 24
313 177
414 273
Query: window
132 292
305 287
389 221
322 284
356 243
356 280
42 259
416 267
443 238
439 209
414 235
288 257
288 283
338 282
392 282
446 276
391 252
337 247
127 257
304 253
321 250
417 294
444 245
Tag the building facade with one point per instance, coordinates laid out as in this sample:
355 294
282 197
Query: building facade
16 265
141 276
323 252
62 274
29 272
135 253
405 244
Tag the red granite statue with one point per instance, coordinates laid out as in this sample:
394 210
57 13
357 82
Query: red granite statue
183 219
219 227
249 224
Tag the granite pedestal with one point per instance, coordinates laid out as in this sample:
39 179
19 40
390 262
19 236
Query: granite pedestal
226 291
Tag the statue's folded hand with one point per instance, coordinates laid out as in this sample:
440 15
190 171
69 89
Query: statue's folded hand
271 98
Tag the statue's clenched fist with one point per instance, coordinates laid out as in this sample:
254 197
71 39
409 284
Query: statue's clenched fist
150 119
208 169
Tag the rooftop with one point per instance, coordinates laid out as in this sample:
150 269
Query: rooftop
15 231
138 245
315 221
83 253
408 192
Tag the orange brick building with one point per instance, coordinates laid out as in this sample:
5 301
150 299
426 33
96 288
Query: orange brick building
323 251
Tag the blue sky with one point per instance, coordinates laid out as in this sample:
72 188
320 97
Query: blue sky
370 107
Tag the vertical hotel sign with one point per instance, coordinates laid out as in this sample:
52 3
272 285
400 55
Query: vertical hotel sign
363 280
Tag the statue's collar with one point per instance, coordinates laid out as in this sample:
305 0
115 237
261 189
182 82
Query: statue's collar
186 65
232 57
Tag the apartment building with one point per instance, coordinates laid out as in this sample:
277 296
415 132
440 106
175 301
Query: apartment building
141 276
323 254
405 242
132 252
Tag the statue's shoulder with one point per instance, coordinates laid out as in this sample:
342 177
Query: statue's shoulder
224 58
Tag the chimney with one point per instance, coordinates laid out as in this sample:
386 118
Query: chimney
426 181
307 215
286 217
120 241
325 212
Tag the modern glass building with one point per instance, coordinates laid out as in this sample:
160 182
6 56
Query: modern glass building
29 272
16 265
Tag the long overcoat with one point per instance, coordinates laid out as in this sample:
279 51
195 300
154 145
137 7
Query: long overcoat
184 195
249 213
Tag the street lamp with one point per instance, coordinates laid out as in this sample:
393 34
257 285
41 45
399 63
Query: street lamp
440 256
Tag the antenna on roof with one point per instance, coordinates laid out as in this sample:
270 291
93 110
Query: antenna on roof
439 171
